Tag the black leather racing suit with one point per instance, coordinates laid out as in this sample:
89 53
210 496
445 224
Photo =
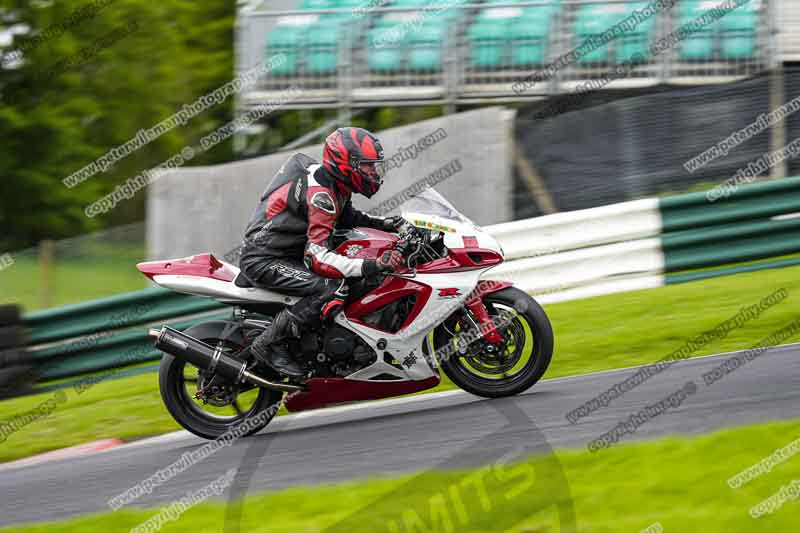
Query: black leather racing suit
287 245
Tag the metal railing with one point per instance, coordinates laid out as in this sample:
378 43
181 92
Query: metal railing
456 52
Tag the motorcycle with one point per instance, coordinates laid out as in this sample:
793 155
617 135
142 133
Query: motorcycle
393 337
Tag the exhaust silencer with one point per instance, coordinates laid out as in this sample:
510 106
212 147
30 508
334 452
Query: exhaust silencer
212 359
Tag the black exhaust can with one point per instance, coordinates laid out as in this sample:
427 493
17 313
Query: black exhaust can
198 353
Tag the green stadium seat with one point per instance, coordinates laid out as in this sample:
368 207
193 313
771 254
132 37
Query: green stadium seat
529 36
591 22
317 4
350 4
520 33
738 47
385 59
636 41
411 3
738 34
552 7
426 45
541 14
323 48
288 40
699 46
487 43
384 55
595 19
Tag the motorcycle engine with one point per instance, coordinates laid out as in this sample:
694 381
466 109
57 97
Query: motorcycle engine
336 352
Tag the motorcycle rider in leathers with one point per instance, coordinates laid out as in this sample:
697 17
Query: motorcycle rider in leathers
288 247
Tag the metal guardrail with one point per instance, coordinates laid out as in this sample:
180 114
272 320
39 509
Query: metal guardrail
757 221
111 332
117 350
114 313
455 74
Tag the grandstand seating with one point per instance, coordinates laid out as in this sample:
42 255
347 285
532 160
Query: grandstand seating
738 31
594 19
734 34
494 37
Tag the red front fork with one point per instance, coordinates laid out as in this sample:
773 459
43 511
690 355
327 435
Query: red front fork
475 305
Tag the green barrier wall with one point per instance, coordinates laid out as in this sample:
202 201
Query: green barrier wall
698 233
116 312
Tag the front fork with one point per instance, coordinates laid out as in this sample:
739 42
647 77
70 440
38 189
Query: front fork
476 306
485 323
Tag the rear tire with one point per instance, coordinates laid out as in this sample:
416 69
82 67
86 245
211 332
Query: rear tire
539 333
182 407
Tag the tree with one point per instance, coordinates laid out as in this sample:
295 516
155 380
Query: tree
84 81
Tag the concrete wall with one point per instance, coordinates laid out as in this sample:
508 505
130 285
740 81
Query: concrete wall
199 209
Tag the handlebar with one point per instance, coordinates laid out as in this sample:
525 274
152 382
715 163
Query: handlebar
408 240
404 246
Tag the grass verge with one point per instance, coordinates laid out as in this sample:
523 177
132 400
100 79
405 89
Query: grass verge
90 271
679 483
600 333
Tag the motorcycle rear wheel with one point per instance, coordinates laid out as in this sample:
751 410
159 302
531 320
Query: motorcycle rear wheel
523 356
206 421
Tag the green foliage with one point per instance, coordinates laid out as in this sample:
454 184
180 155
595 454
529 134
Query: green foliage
82 92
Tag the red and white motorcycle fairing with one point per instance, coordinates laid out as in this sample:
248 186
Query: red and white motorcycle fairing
440 287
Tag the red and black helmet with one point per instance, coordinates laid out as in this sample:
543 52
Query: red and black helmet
354 156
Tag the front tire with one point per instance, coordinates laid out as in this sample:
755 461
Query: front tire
526 350
211 423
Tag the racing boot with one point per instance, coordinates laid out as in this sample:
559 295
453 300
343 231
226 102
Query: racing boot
270 349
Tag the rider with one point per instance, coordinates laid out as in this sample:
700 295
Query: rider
287 244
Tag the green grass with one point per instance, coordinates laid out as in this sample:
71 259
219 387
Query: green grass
600 333
679 482
92 270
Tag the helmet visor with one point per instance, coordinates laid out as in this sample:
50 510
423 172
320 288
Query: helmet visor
374 168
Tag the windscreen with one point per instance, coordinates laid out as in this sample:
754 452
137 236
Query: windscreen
430 202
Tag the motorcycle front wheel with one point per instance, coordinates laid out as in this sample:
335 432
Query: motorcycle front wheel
505 369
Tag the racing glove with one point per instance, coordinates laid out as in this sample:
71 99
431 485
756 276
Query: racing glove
394 224
389 261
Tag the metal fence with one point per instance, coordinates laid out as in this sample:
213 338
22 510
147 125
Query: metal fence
450 51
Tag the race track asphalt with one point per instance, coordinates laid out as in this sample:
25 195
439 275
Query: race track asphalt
446 430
